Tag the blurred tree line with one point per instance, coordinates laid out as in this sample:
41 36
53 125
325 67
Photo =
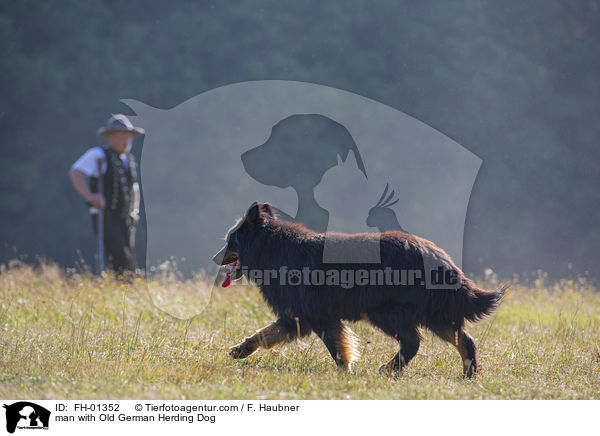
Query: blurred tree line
514 82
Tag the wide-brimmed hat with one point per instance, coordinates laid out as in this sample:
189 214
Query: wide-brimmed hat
119 123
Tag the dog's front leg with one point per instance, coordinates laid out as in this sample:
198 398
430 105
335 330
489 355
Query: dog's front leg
267 337
342 344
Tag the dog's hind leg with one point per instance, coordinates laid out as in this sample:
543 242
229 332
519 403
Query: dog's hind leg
393 323
465 345
410 341
267 337
342 344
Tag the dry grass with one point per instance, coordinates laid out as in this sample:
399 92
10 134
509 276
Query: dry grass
78 336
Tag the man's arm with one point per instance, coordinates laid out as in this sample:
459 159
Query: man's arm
136 202
79 180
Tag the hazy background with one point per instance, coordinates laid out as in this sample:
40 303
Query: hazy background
515 83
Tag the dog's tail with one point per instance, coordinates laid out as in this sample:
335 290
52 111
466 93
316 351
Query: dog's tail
480 303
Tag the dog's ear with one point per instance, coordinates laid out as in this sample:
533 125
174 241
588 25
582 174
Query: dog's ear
267 209
253 214
258 212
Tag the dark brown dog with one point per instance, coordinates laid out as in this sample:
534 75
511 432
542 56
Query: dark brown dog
259 242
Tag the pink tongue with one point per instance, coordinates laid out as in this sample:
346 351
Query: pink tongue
227 280
228 270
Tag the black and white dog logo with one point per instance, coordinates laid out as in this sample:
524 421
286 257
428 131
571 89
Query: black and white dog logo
26 415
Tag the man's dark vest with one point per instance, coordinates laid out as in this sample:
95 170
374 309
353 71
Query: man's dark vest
118 183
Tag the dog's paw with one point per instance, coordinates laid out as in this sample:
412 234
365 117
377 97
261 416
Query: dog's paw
470 369
241 351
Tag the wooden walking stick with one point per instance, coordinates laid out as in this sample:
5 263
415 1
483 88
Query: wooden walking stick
100 223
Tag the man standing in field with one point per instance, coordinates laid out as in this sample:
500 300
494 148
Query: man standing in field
119 202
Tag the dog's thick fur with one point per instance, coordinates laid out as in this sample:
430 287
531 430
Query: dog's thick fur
261 241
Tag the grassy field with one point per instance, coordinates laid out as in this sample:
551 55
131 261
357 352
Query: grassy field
69 335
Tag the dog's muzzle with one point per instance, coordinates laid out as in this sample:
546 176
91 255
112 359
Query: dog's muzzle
232 263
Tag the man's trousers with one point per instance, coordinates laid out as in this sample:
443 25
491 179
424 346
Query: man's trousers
119 250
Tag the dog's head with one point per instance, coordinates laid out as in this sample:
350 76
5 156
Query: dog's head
239 239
